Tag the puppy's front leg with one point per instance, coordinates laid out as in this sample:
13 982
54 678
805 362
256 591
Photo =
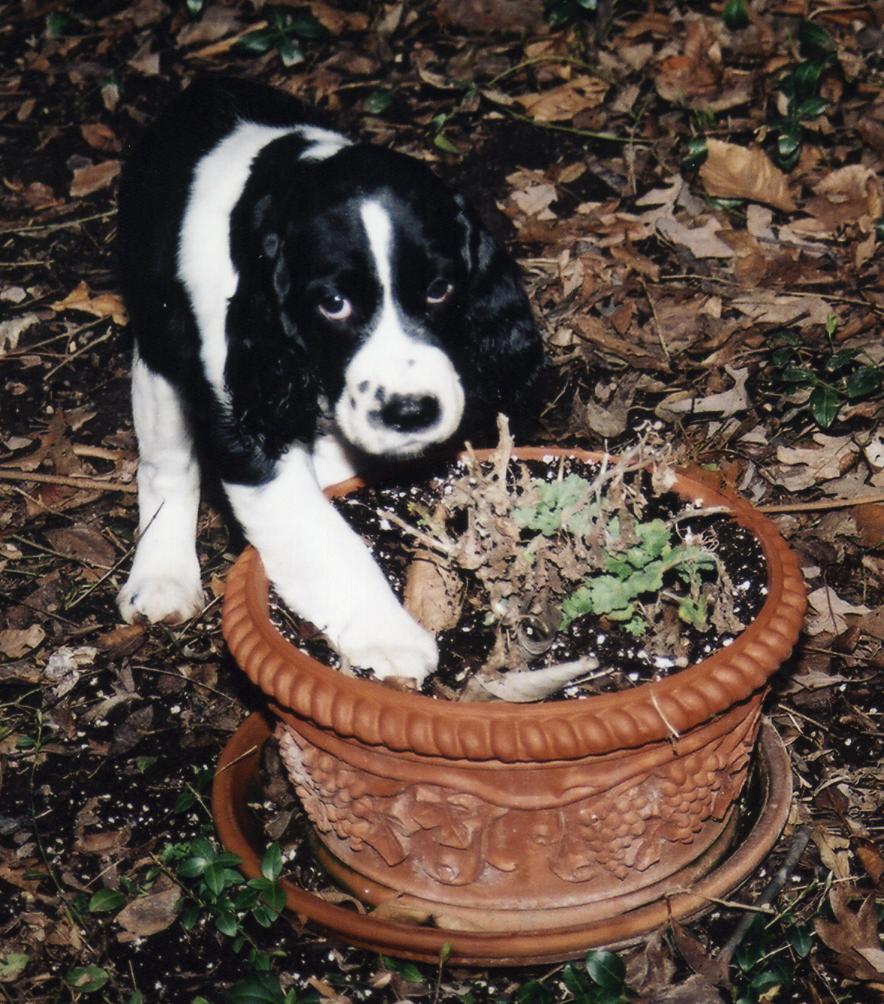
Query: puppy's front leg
324 572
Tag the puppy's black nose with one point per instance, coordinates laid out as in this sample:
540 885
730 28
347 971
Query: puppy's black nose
410 412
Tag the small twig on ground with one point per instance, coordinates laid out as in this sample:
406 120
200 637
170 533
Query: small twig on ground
48 228
822 504
90 484
83 348
796 849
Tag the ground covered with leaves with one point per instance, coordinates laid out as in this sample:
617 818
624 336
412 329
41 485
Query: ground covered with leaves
694 193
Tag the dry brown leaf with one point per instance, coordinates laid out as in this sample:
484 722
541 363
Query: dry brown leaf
852 935
100 305
848 195
562 103
828 610
100 137
93 178
433 592
490 16
84 543
17 642
737 172
522 686
702 242
216 22
150 914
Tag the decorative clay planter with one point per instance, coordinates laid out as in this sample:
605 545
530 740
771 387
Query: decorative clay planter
583 816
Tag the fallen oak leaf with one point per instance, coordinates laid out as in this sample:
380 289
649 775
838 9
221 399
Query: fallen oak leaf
17 642
736 172
853 937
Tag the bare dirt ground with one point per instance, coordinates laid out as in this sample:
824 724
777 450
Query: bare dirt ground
695 197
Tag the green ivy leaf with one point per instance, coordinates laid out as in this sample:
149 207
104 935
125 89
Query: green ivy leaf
863 382
271 863
825 403
136 997
788 145
606 970
106 900
194 7
87 979
575 981
257 42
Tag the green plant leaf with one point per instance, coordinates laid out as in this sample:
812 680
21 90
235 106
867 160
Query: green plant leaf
814 40
806 77
694 612
189 916
289 52
801 940
106 900
227 923
378 102
136 997
262 988
533 992
863 382
825 403
575 981
219 877
257 42
87 979
841 360
442 142
194 7
788 145
271 863
797 374
697 151
735 14
12 965
606 970
811 108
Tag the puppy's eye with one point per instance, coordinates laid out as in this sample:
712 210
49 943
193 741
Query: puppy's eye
335 307
438 291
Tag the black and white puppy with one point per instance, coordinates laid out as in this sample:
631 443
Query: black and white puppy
298 300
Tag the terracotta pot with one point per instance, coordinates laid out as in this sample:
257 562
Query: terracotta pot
510 818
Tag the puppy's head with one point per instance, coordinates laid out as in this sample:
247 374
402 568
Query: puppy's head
411 318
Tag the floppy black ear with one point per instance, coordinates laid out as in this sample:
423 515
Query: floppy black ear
272 383
504 351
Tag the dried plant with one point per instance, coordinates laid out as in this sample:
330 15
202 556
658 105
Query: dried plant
548 552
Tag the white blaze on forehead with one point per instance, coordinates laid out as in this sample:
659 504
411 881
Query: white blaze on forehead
379 231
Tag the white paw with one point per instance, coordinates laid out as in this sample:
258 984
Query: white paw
406 650
161 596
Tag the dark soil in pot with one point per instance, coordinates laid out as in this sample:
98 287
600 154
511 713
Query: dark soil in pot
624 661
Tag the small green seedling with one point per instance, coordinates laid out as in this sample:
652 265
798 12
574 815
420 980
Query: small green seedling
800 87
284 33
835 376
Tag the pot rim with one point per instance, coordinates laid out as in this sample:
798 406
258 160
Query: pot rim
554 730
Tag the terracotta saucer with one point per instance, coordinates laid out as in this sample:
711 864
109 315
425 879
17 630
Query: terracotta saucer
236 781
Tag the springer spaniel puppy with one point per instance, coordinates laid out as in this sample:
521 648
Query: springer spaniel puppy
300 302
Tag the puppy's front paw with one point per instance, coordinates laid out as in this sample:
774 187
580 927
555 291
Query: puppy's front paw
166 597
406 650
